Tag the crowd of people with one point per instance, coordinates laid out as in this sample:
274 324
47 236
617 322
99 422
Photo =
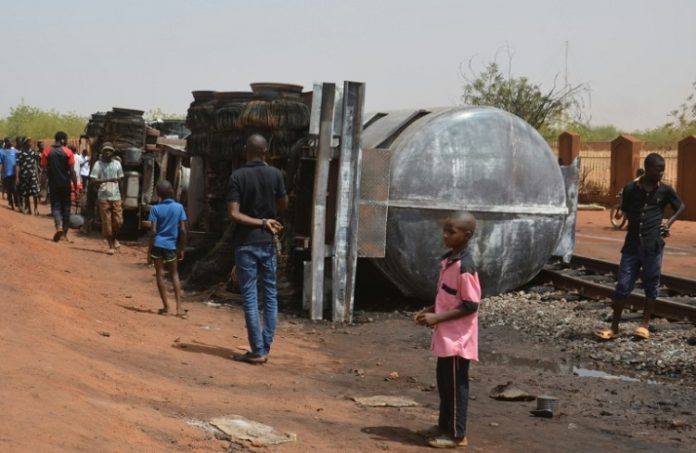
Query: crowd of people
20 174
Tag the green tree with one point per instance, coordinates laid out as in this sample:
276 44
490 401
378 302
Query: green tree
684 117
543 110
158 114
25 120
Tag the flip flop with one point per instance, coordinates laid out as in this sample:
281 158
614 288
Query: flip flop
163 312
57 235
182 315
642 333
605 334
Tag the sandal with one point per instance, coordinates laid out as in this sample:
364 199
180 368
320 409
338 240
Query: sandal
447 442
606 334
182 315
57 235
163 312
642 333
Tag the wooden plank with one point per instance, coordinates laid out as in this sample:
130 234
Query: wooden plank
348 195
321 179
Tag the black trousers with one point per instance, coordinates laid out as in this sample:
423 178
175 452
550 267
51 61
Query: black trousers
453 386
10 184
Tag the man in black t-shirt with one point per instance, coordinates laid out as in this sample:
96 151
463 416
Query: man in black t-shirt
256 193
59 163
643 201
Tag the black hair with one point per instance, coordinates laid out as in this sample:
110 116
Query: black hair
61 137
165 189
653 159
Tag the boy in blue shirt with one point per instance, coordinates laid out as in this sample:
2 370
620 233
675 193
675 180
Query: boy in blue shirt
167 241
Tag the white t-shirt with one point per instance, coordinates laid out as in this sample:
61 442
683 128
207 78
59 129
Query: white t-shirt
83 161
108 170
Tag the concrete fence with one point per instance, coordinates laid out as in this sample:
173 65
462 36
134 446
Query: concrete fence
605 167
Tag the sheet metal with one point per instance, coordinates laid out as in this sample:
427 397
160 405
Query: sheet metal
374 195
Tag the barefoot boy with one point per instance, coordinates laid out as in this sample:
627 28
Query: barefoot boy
454 319
167 241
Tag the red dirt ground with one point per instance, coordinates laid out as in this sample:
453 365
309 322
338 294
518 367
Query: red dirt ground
86 365
596 237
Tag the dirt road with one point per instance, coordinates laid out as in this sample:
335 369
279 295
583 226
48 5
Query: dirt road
87 365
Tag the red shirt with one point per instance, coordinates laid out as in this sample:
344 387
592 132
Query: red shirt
43 160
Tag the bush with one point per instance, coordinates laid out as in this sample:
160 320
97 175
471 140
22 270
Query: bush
25 120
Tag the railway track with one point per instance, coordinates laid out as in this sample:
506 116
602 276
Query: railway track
595 278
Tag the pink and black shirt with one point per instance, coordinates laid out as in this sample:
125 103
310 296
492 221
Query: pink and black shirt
458 288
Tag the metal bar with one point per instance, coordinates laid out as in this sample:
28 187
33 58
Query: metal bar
306 284
321 179
679 284
348 195
663 308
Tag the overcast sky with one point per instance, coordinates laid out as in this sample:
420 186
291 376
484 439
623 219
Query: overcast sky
637 57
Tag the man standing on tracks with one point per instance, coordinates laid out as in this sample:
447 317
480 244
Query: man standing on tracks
644 202
59 161
107 175
256 192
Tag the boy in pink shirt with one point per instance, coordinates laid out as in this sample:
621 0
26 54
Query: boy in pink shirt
454 319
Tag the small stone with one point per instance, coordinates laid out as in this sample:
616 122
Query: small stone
104 333
494 424
393 376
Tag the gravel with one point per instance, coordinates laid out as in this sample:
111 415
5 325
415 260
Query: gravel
568 321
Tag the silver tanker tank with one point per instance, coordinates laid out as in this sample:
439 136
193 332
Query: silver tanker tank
479 159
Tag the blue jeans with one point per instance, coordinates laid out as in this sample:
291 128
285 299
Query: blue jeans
253 260
60 207
647 265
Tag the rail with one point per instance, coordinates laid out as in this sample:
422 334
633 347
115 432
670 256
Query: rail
664 307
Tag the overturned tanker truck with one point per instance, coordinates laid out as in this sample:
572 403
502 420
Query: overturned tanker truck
148 151
417 167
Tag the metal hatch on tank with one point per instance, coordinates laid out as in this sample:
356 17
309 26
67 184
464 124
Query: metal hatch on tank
480 159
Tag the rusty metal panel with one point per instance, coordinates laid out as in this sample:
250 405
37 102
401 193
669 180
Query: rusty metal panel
372 236
374 196
374 182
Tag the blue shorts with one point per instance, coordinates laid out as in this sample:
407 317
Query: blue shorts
646 265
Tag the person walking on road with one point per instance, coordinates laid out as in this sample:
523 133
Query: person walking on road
8 162
256 194
168 232
643 201
27 161
59 161
107 175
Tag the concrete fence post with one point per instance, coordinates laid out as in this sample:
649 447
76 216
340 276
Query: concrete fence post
568 147
625 161
686 183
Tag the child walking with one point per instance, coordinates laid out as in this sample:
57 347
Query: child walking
454 319
168 232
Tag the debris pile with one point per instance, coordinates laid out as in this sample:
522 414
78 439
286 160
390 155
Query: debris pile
220 123
569 321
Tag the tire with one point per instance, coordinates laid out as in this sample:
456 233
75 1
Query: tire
617 217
